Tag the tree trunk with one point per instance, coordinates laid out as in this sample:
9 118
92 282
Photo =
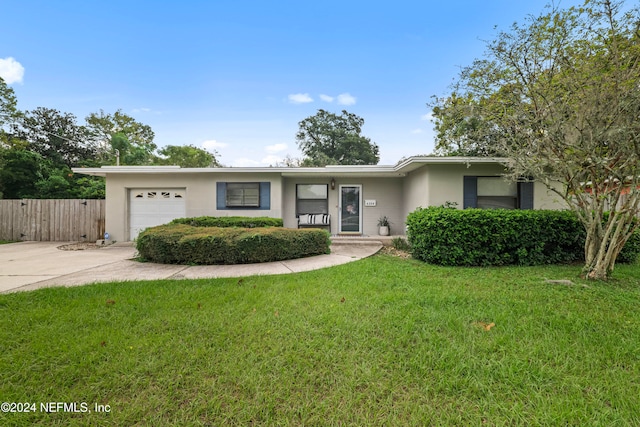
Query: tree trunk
597 270
603 246
595 266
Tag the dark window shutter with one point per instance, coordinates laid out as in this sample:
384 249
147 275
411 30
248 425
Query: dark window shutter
470 192
265 195
525 194
221 195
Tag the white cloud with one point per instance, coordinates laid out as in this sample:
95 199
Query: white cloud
11 70
346 99
416 131
426 117
141 110
326 98
275 148
213 145
300 98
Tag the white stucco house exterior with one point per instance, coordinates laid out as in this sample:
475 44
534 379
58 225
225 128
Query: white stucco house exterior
344 199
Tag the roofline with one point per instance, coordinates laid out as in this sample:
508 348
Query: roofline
449 159
400 169
414 162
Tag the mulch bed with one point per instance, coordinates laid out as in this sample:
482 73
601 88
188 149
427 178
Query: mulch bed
390 250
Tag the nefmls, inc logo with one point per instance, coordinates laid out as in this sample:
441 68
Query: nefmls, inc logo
76 407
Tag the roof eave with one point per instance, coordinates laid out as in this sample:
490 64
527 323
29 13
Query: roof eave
399 169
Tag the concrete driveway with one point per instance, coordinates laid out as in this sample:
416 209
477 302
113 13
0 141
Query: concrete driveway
31 265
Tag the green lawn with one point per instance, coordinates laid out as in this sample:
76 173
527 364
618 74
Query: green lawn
382 341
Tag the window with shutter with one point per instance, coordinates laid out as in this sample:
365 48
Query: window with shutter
494 192
243 194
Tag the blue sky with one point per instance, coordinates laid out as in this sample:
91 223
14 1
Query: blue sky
237 76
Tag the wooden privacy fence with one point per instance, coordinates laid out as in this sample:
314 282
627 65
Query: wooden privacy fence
56 220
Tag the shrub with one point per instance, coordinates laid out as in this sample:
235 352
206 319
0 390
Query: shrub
230 221
401 244
477 237
631 250
186 244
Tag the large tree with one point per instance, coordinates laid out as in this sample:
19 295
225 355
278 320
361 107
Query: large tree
8 104
104 127
559 96
460 129
20 170
186 156
38 151
328 138
27 174
127 154
55 136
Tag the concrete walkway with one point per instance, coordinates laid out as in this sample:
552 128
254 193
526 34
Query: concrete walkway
26 266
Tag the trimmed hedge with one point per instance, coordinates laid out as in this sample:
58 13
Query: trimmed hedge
478 237
186 244
229 221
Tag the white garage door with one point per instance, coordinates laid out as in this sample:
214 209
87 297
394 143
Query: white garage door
154 206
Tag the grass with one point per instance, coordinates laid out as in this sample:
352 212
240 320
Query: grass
4 242
382 341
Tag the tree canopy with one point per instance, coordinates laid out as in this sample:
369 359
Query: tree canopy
327 138
186 156
8 104
559 97
139 137
20 170
460 128
55 136
39 148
